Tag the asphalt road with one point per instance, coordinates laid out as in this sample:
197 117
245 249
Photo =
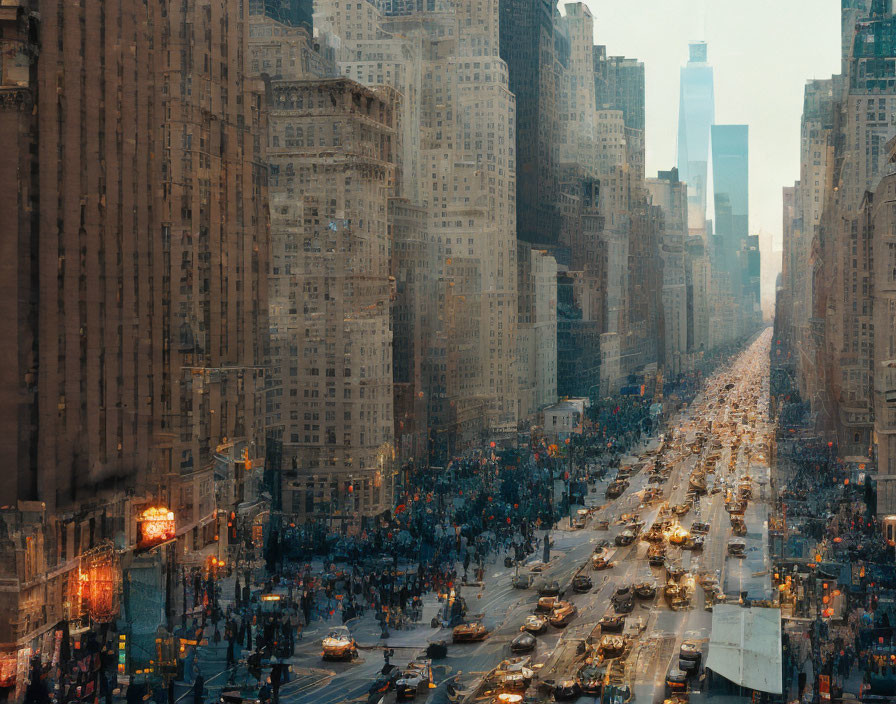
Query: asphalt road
503 609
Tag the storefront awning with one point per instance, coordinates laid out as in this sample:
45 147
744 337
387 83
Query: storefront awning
745 647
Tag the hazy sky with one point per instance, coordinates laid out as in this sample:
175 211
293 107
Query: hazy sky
763 51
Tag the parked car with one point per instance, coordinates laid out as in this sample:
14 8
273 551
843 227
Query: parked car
581 583
676 682
689 657
737 547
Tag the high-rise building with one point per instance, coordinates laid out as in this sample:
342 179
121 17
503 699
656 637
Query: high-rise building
527 46
670 194
137 255
455 157
576 89
619 85
695 117
730 174
331 177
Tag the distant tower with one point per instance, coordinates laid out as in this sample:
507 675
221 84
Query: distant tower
696 114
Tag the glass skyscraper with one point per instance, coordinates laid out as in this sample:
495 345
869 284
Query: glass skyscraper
696 114
730 176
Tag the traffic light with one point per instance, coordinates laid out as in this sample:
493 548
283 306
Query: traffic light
231 527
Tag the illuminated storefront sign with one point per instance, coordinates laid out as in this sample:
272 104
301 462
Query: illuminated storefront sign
155 526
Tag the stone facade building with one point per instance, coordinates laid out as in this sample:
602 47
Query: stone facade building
138 273
331 180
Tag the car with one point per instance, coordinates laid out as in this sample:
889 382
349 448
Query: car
626 537
417 675
525 642
578 523
689 657
611 646
654 535
549 588
681 509
700 527
339 644
676 682
623 600
545 604
678 536
656 556
616 489
567 690
602 563
514 674
534 624
581 583
737 547
611 624
469 632
645 590
695 542
590 679
602 525
562 614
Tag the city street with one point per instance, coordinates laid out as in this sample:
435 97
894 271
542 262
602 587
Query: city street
503 609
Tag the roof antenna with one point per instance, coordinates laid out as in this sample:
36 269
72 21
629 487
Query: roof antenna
703 12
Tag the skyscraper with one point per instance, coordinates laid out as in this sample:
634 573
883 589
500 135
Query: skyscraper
730 175
696 114
619 85
527 45
330 185
135 229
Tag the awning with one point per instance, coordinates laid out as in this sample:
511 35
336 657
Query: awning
745 647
